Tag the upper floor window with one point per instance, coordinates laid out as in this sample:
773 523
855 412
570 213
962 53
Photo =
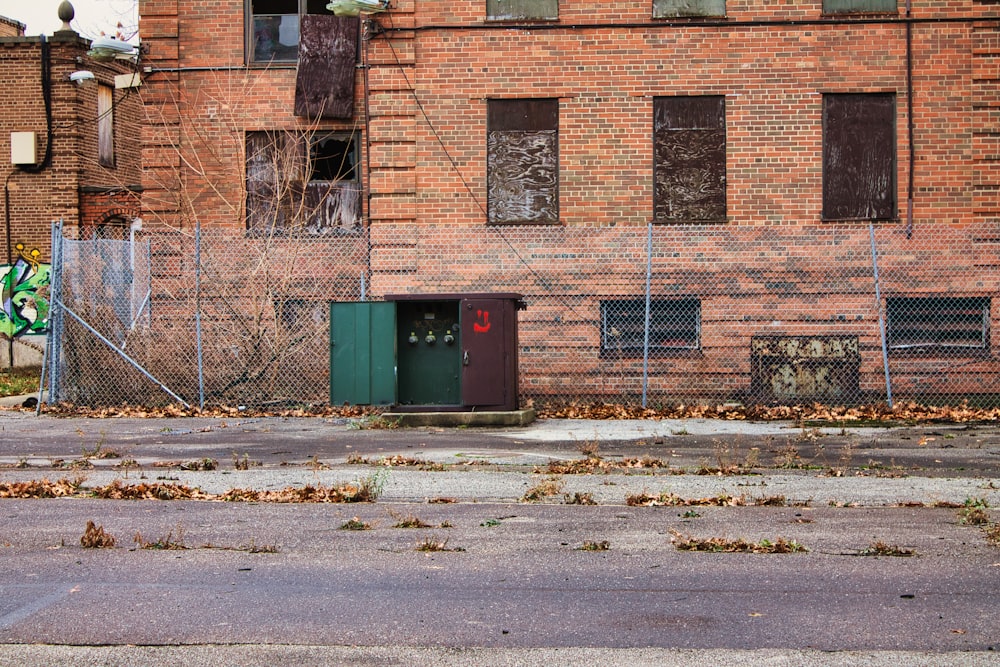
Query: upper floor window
515 10
677 8
522 161
859 156
273 28
302 185
689 159
858 6
105 126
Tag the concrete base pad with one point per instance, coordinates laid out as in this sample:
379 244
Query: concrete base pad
498 418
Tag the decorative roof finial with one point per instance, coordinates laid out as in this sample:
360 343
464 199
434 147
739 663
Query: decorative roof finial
66 14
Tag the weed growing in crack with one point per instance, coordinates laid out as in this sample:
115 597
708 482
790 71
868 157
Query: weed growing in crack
169 542
551 486
354 523
722 545
95 537
579 498
880 548
435 544
408 521
603 545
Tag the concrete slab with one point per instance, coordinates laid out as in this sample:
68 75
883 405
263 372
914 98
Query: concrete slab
489 418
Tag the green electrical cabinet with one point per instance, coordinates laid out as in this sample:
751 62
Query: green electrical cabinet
362 353
426 351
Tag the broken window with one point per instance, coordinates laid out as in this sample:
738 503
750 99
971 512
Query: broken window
522 161
689 159
676 8
859 156
513 10
106 126
938 323
302 185
674 325
858 6
273 28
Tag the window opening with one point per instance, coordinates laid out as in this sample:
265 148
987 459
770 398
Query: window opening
674 325
938 323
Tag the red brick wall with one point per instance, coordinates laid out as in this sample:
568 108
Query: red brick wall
58 191
773 267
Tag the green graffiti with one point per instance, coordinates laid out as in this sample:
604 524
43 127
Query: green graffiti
25 292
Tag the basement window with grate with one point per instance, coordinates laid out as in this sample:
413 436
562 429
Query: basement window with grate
859 6
522 10
938 324
681 8
674 326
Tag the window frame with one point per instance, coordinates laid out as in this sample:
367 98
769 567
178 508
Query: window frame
105 125
829 10
495 15
670 109
250 31
512 124
666 315
938 314
837 179
289 162
660 11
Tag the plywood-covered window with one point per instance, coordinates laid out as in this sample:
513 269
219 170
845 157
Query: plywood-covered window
522 163
302 185
324 82
938 323
519 10
674 326
858 6
106 125
273 28
859 156
689 159
678 8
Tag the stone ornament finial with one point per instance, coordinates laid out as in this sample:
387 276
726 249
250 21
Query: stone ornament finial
66 14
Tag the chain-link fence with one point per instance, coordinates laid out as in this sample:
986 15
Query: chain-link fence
659 315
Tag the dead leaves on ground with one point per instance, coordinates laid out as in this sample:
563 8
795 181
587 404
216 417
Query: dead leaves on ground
64 488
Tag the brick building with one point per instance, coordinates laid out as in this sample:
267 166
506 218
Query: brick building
69 154
801 198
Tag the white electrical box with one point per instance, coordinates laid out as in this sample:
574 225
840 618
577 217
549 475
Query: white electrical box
23 148
131 80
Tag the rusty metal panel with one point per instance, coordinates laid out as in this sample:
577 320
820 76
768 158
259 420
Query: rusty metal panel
858 6
669 8
509 10
859 156
324 84
523 161
804 368
689 159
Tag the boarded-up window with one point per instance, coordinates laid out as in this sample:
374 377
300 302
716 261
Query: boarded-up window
273 28
324 85
689 159
858 6
302 186
513 10
859 156
674 325
523 161
932 324
674 8
106 125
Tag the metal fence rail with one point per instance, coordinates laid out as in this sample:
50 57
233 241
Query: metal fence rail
658 315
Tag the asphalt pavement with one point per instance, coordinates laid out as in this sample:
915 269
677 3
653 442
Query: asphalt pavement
586 571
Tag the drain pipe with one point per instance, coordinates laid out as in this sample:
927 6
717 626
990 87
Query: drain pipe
881 318
909 121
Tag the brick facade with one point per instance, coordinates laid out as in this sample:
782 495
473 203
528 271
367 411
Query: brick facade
72 187
431 69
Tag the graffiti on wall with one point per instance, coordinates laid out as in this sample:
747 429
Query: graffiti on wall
24 286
